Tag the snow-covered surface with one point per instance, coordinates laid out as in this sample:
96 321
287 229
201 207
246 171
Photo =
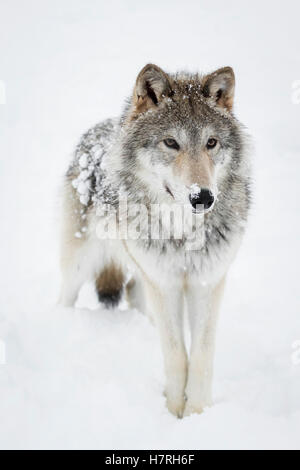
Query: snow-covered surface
81 378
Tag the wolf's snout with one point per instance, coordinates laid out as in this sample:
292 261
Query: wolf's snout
204 198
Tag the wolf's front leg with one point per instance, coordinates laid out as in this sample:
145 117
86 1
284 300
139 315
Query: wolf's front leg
203 305
166 303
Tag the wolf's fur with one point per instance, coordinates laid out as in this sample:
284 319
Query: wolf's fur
109 284
129 155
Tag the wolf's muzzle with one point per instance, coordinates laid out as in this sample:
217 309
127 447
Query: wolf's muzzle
203 198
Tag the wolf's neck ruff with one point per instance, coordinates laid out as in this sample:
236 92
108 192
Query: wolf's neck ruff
100 177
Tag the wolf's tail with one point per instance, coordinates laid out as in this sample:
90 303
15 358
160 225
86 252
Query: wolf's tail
110 284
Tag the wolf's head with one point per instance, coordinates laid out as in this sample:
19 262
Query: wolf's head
180 135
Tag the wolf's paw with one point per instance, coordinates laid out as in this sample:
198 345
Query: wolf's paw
176 407
191 409
195 408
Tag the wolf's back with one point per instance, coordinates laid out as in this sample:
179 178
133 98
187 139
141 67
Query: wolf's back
87 172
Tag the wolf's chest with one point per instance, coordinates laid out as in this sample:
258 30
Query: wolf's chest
171 259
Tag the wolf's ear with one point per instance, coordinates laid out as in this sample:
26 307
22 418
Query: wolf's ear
152 86
219 85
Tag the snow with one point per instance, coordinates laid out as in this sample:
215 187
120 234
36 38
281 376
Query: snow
92 378
195 190
84 199
83 160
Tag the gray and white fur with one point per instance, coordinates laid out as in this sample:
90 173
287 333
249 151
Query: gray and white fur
176 133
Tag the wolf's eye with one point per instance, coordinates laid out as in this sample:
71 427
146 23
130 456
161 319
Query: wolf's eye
171 143
211 143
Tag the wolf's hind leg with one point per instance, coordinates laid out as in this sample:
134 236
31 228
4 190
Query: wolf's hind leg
72 280
135 295
109 284
79 261
71 285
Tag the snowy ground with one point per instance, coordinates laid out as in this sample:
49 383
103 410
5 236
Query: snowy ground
82 378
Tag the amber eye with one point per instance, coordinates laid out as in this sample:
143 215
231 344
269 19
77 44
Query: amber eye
211 143
171 143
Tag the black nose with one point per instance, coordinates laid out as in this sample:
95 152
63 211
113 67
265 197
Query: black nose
205 197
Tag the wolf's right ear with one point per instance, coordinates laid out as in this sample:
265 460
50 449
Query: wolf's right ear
152 86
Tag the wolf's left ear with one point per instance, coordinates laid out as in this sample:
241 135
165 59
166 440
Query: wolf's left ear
219 85
152 86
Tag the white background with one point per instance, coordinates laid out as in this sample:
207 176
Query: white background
94 379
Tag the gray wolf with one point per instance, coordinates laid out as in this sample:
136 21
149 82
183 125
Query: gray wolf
176 144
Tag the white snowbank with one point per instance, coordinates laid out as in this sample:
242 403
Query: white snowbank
81 378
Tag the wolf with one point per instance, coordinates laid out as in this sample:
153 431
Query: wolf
177 143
